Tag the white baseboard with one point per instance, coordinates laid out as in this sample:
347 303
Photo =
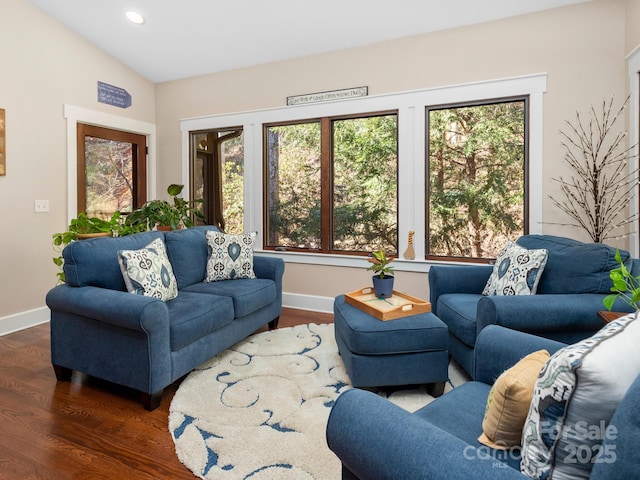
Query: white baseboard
38 316
22 320
308 302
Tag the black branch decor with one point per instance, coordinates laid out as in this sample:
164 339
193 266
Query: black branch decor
597 196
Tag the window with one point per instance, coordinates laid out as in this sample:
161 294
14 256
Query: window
111 171
331 184
476 164
328 238
217 176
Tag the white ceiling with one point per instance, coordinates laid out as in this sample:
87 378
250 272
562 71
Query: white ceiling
185 38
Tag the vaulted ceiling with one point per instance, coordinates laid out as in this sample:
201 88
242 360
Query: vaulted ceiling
185 38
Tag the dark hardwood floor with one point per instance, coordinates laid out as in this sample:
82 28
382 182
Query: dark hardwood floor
85 429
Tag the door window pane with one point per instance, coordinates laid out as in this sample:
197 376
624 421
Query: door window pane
218 177
108 176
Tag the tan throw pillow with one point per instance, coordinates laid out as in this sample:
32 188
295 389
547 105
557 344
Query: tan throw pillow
509 401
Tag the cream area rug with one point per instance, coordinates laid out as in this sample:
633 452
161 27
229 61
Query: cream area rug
259 410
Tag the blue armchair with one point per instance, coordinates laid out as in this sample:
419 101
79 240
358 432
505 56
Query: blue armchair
569 296
376 439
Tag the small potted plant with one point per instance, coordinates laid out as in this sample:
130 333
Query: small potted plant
625 286
165 215
382 280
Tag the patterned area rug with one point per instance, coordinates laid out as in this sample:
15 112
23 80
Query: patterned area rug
259 410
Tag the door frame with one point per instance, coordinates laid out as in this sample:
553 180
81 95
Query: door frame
75 115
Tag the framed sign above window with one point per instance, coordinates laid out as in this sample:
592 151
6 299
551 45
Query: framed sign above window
3 149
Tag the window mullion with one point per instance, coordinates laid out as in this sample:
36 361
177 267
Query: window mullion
326 175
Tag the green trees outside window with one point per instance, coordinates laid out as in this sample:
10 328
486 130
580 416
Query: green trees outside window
332 184
477 159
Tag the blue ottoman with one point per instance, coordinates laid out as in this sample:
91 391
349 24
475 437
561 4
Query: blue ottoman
406 351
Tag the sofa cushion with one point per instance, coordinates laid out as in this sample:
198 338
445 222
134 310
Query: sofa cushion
458 311
187 251
230 256
147 271
508 402
573 266
194 315
517 271
248 295
578 391
94 262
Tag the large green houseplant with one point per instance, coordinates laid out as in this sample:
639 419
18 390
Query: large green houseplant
83 226
166 215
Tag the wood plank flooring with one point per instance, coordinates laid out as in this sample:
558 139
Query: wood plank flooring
85 429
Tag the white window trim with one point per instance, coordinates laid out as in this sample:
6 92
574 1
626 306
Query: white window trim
75 115
633 70
411 149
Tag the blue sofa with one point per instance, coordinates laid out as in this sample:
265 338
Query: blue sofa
572 286
376 439
100 329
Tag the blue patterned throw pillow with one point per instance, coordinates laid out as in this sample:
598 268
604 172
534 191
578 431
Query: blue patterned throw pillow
517 271
230 256
148 271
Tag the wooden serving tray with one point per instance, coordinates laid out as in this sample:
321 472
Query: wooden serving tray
397 306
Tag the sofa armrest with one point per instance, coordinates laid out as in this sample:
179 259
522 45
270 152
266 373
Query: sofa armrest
456 279
498 348
122 309
376 439
268 267
542 313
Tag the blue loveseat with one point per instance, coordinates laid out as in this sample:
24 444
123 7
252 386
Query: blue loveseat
141 342
571 288
376 439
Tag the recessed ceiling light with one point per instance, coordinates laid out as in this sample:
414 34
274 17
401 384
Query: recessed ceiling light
135 17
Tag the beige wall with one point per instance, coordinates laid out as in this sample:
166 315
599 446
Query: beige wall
632 25
43 66
581 48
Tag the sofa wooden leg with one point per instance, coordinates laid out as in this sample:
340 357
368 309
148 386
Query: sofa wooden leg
63 374
435 389
151 401
273 324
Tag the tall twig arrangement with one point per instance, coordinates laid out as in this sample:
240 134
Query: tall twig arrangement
597 197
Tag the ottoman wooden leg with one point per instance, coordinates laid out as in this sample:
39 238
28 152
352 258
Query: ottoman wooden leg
435 389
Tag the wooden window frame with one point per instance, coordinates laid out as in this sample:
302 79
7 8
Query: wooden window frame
138 151
526 193
326 180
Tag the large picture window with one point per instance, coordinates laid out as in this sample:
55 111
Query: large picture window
477 177
452 171
331 184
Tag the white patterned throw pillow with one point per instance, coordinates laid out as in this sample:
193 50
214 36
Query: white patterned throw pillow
148 271
517 271
230 256
575 396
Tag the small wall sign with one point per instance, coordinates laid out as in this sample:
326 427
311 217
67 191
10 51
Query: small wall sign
112 95
328 96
